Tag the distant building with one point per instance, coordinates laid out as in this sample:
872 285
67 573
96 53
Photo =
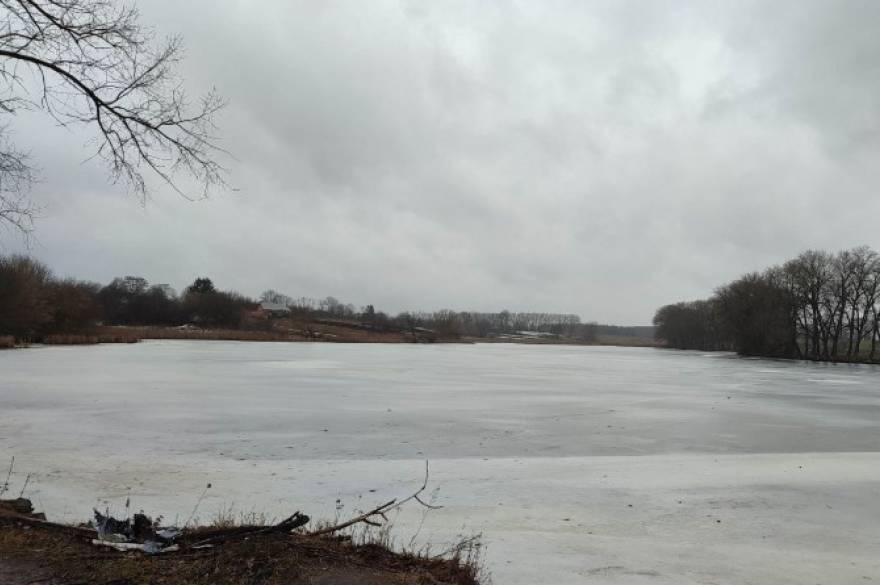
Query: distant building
535 334
274 309
132 284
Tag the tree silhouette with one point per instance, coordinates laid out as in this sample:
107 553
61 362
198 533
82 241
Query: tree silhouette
202 286
94 64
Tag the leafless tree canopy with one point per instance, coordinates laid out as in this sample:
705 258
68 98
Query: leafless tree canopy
91 62
818 306
16 177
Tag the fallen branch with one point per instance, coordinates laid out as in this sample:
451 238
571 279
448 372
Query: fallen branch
370 517
287 525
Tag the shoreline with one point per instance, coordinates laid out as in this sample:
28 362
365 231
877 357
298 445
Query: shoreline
335 333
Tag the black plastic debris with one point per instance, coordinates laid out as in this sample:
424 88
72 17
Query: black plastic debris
137 533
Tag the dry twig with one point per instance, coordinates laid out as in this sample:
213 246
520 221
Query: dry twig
370 518
5 487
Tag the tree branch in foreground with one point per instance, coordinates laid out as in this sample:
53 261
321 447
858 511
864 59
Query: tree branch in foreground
93 63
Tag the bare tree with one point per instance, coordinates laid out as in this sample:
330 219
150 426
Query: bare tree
819 306
273 296
92 62
863 296
17 211
24 296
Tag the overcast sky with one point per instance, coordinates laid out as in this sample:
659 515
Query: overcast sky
601 158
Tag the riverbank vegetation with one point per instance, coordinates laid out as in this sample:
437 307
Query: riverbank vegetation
819 306
38 307
222 553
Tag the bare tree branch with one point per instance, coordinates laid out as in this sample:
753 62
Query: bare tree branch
94 64
372 517
17 211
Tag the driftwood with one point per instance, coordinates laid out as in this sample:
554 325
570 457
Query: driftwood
370 518
141 534
287 525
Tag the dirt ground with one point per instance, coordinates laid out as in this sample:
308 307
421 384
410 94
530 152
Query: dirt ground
20 572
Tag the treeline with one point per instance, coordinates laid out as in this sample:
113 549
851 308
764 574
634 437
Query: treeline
486 325
819 306
34 304
446 323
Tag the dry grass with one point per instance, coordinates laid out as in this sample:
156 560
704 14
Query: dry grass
7 342
229 517
123 334
465 554
277 330
346 332
282 330
90 338
202 334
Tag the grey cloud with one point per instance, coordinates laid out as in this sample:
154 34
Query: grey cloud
601 158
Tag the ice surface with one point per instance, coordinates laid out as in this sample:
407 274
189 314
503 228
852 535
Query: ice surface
578 464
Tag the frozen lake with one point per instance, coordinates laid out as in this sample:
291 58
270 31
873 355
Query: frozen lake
578 464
